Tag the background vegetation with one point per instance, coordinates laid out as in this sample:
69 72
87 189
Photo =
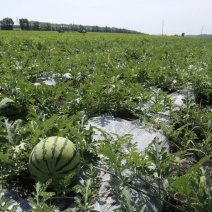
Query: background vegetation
116 74
25 24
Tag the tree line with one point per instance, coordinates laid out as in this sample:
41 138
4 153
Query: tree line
25 24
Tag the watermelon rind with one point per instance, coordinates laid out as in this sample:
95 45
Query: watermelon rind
54 158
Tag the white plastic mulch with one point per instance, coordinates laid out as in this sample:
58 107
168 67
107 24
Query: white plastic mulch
140 134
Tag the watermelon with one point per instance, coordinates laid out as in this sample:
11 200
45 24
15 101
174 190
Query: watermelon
54 158
11 109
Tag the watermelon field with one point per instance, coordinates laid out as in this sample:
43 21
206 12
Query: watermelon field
52 84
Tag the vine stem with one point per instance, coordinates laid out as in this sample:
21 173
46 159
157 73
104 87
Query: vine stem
141 191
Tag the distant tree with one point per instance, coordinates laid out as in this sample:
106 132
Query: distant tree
48 26
73 27
95 29
107 29
81 29
34 25
7 24
45 26
183 34
24 23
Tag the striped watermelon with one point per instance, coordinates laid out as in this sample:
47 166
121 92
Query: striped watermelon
54 158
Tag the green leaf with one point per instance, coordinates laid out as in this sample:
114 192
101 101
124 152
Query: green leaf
109 153
183 186
4 157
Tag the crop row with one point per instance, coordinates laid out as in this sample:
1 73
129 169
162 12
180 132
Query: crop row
60 80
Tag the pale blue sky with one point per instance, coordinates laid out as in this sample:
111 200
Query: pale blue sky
188 16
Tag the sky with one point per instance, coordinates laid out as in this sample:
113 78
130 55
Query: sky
146 16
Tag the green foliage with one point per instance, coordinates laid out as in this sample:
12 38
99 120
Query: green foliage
41 196
195 188
7 24
129 202
87 192
24 24
128 76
